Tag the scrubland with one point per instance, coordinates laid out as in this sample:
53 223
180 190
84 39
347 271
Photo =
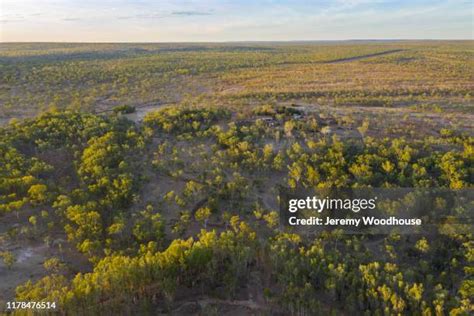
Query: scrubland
144 178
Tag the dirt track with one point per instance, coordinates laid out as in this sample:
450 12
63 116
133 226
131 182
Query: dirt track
342 60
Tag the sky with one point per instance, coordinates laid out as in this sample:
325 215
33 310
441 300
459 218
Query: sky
224 20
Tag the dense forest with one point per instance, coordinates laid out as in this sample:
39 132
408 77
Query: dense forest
145 178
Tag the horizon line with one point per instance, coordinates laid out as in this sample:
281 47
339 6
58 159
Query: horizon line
239 41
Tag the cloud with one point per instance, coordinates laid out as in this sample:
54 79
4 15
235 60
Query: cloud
149 16
141 16
17 18
163 15
190 13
